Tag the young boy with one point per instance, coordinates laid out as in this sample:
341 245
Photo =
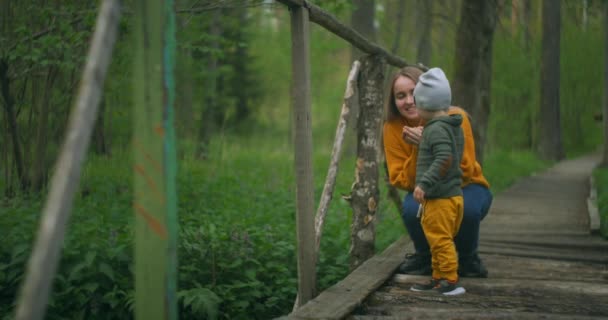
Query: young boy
438 179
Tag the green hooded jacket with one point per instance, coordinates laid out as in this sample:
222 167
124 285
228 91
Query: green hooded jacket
439 153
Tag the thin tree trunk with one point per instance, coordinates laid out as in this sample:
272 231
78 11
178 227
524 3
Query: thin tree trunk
362 21
398 26
40 169
514 17
424 27
550 136
211 92
471 83
444 23
11 118
242 94
526 21
585 18
605 113
365 192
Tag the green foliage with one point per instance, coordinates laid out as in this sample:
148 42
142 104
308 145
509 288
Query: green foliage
515 95
581 93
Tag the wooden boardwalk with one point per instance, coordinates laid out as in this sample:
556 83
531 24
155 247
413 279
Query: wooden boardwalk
543 261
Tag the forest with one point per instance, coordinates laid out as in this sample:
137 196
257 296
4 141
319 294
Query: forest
235 172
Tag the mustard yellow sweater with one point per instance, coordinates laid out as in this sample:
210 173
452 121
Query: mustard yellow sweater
401 156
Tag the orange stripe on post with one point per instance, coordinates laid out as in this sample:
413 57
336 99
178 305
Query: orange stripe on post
153 223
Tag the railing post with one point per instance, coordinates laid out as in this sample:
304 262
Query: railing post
155 199
303 153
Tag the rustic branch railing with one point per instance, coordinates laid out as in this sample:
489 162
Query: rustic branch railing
333 25
364 196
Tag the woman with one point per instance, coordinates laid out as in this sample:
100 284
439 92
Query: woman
402 132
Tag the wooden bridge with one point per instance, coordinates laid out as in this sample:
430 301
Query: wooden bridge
544 262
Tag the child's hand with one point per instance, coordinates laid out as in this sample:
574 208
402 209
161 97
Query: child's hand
419 194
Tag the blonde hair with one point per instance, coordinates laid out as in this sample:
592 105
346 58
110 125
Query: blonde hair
410 72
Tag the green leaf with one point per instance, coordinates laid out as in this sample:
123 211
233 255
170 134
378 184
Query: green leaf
107 270
91 287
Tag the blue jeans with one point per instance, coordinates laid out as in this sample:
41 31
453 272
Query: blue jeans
477 202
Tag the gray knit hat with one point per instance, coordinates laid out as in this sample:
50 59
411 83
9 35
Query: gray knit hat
432 92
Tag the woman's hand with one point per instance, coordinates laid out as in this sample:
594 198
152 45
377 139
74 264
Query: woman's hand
419 194
412 134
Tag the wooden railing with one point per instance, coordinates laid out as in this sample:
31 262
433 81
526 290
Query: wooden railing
157 223
364 196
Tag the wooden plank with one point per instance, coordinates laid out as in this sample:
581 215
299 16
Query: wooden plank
543 269
342 298
585 242
55 214
543 252
484 284
302 123
155 201
475 315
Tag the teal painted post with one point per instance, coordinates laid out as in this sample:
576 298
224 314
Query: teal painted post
155 203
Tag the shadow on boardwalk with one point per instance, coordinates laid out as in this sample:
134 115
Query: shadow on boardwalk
536 243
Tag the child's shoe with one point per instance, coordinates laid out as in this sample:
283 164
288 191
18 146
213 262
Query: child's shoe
448 288
432 284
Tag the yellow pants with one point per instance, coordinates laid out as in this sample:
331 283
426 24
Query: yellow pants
440 221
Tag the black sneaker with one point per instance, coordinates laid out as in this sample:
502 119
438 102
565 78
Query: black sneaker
425 286
472 267
417 264
447 288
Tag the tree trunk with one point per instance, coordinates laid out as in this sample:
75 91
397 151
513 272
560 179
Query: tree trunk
365 193
240 68
550 136
424 27
362 21
211 105
526 21
514 17
471 84
40 169
605 113
398 26
11 118
444 23
585 19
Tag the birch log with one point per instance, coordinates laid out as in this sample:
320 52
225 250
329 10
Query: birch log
45 255
350 97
